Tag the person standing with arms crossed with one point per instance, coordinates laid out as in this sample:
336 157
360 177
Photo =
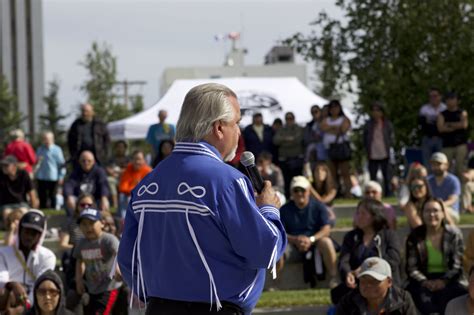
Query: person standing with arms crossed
196 239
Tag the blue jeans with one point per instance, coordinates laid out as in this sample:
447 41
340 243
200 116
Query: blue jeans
430 145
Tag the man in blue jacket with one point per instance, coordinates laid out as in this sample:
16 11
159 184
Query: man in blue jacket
196 239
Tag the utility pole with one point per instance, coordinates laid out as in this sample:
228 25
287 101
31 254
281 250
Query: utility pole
125 84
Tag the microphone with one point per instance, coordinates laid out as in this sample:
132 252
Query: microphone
248 161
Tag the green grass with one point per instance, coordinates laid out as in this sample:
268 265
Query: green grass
294 298
354 201
401 221
53 212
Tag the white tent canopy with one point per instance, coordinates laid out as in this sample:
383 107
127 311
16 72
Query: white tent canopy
271 96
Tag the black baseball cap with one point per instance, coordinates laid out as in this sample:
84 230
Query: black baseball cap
33 219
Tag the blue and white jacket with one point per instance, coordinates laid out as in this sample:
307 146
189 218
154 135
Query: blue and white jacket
194 233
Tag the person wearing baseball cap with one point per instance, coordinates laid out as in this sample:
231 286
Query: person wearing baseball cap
376 293
97 250
445 186
307 226
22 263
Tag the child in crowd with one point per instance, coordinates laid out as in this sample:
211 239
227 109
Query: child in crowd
95 257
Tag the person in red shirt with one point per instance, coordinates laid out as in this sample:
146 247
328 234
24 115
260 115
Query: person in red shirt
132 175
22 150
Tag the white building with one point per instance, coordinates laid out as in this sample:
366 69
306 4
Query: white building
279 62
21 56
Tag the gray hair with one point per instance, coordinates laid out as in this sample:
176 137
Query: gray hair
374 185
48 133
203 105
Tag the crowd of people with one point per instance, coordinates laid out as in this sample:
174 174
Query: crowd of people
308 166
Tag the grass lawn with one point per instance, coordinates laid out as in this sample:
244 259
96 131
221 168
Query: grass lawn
53 212
402 221
354 201
294 298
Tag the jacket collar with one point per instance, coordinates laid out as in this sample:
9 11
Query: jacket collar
393 301
201 148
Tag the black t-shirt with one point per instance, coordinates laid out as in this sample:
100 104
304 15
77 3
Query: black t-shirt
14 191
456 137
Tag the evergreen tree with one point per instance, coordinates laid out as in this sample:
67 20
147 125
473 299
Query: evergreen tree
51 120
10 116
137 103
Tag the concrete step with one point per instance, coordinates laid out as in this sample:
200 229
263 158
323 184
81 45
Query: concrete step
338 233
347 211
342 211
291 277
57 220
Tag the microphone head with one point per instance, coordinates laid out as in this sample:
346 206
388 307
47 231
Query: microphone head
247 159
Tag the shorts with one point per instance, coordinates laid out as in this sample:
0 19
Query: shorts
102 303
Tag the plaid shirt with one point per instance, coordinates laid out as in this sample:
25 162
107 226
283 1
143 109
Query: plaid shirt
417 255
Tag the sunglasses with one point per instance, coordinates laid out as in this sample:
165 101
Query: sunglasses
85 205
417 186
371 192
299 190
50 292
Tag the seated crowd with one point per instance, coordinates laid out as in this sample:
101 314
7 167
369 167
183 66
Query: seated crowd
371 272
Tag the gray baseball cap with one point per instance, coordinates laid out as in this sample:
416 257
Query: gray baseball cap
9 159
377 268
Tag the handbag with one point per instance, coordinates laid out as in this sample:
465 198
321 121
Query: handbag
340 151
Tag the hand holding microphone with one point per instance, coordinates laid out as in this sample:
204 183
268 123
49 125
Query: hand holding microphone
265 193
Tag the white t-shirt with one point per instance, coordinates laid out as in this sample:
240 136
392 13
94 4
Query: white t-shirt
431 113
329 138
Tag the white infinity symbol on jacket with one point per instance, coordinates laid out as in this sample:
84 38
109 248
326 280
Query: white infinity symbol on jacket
151 189
191 190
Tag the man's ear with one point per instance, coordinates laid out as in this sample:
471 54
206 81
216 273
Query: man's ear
217 130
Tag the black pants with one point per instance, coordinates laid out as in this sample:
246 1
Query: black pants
428 302
47 192
291 167
374 166
101 303
159 306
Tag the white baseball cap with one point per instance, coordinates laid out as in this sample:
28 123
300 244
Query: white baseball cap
300 181
377 268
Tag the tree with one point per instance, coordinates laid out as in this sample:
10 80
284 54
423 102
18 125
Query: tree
10 116
51 120
394 51
137 103
101 65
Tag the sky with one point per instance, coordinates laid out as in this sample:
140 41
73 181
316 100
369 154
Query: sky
149 36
